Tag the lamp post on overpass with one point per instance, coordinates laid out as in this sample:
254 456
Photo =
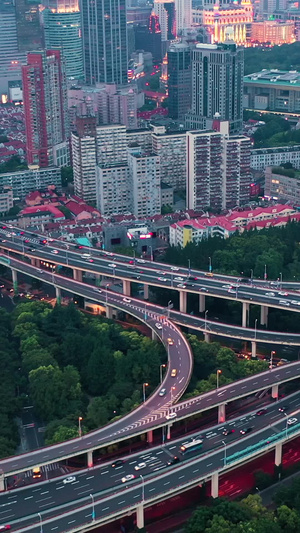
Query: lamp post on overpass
93 508
205 319
143 488
251 275
209 264
189 261
225 458
79 426
286 425
280 274
271 360
172 389
170 306
151 253
255 329
218 374
160 371
144 390
41 522
265 273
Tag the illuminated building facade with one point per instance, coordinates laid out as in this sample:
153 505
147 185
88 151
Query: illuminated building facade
179 80
273 32
233 20
165 9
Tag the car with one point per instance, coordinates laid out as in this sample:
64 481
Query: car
26 240
209 274
162 279
226 286
126 300
40 271
283 408
162 392
179 279
139 466
90 260
85 256
141 261
112 265
295 302
174 373
245 430
228 431
284 302
173 460
131 262
69 479
118 462
174 268
170 416
282 293
181 286
203 289
269 293
129 477
158 325
54 251
231 291
5 528
261 412
170 341
292 421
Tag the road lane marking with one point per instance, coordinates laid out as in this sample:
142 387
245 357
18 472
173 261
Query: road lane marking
28 498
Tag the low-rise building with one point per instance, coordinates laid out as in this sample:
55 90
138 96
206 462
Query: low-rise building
167 194
32 179
273 89
274 157
6 199
282 184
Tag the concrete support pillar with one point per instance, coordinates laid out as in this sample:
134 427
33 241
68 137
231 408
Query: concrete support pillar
98 280
201 303
2 482
253 349
90 460
278 454
221 413
38 263
182 301
264 315
207 337
215 485
15 280
126 287
140 516
32 261
146 291
150 436
77 275
245 314
275 392
58 295
109 312
154 335
168 431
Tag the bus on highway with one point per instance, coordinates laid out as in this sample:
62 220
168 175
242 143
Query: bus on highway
191 446
5 260
36 472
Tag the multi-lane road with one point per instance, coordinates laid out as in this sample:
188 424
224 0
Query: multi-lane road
151 414
153 476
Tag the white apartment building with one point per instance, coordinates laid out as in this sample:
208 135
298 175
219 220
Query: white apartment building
6 199
84 166
111 144
171 148
274 157
143 137
183 14
113 189
144 171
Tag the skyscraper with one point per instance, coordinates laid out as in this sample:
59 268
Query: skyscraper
62 27
45 106
10 57
183 14
179 80
84 158
217 85
104 41
29 31
165 9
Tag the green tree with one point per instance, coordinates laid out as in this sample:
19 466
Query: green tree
63 433
199 520
288 519
218 524
97 413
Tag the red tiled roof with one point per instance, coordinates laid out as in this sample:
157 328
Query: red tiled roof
42 209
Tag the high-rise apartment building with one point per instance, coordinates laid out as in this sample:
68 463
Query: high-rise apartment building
218 169
165 9
62 28
113 189
179 80
45 106
111 144
171 149
118 105
104 41
84 158
217 85
10 57
29 31
144 174
183 14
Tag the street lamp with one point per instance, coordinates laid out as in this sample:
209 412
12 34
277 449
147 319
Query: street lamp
160 371
79 426
271 360
189 262
93 508
205 319
280 274
151 253
144 390
41 522
265 273
286 425
52 272
172 388
255 329
106 296
169 307
251 275
223 442
143 488
218 373
209 264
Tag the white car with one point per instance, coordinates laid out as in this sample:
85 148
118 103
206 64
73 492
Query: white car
178 279
162 279
112 265
284 302
54 251
141 261
269 293
181 286
158 325
85 256
292 421
226 286
162 392
127 300
40 271
170 416
174 268
281 293
129 477
69 479
139 466
295 302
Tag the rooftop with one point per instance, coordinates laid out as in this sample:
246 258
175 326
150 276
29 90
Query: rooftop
274 76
